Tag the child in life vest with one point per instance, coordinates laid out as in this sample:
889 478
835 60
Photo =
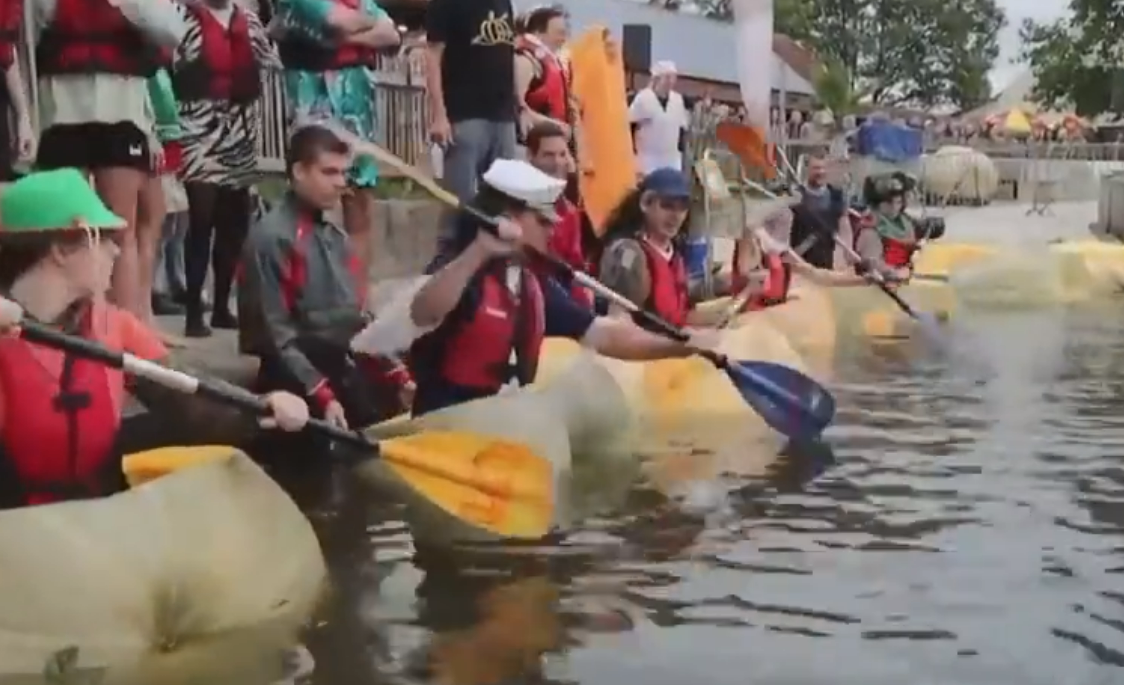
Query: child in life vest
763 268
888 242
60 414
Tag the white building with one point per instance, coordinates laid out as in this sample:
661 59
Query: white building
703 50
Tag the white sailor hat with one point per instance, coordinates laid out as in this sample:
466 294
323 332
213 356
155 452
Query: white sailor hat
521 181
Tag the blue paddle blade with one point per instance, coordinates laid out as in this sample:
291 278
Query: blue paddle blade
789 401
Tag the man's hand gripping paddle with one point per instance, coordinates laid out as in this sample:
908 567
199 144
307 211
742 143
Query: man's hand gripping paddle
789 401
495 485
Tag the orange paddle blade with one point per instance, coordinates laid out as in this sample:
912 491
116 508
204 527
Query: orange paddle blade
749 145
498 485
141 467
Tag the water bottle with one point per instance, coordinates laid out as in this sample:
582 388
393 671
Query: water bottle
437 160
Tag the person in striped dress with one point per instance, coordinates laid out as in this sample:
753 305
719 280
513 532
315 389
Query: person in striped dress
217 73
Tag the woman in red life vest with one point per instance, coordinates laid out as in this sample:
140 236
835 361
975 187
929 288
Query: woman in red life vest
543 84
541 76
60 415
548 152
765 266
217 74
12 93
478 322
329 49
639 257
93 59
889 241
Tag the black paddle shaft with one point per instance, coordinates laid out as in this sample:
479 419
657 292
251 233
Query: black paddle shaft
226 393
825 231
665 327
656 322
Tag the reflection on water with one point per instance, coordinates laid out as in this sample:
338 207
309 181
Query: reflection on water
968 529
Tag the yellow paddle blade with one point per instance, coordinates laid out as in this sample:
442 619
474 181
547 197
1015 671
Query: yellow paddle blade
141 467
880 324
498 485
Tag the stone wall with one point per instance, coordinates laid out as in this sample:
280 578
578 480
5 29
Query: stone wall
405 237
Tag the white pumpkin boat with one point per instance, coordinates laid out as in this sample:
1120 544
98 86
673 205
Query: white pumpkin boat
140 585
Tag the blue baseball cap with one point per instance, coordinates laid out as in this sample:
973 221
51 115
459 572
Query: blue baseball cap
667 182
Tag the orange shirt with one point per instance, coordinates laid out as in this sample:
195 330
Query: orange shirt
115 328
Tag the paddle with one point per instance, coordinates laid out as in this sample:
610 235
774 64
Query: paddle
496 485
789 401
928 323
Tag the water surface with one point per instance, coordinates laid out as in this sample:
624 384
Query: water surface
969 530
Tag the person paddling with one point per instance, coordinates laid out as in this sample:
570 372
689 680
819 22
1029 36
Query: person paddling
763 268
478 322
889 241
640 258
60 415
302 293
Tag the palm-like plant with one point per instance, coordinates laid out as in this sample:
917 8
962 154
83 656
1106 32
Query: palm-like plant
834 88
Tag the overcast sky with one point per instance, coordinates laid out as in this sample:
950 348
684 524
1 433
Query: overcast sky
1017 10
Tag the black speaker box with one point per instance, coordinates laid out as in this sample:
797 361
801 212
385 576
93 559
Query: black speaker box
636 47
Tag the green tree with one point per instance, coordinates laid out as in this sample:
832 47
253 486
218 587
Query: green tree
896 52
790 17
834 88
919 52
1076 59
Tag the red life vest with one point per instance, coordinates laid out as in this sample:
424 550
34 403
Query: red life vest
566 244
477 352
173 158
11 24
305 54
777 280
61 416
294 272
225 68
94 37
896 253
668 296
547 93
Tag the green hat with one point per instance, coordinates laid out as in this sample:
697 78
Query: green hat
50 201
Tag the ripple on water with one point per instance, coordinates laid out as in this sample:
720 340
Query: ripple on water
967 529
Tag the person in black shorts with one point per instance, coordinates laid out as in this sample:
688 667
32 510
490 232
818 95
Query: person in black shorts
102 125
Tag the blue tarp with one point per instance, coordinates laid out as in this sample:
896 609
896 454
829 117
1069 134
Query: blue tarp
889 142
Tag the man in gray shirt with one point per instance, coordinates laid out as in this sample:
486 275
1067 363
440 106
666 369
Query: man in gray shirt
302 294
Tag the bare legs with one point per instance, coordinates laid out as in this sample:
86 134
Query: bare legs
120 189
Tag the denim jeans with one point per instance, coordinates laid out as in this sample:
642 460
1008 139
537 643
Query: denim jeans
476 144
170 277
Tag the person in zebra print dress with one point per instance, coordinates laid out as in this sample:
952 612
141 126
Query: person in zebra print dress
218 81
